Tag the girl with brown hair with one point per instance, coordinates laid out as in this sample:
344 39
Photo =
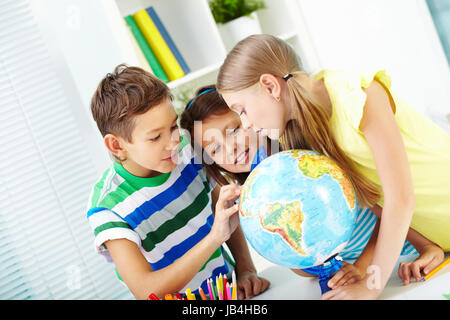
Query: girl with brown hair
208 113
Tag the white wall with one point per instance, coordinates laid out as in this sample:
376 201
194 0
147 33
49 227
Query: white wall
396 35
86 40
350 34
81 33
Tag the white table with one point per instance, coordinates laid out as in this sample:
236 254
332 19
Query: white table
286 285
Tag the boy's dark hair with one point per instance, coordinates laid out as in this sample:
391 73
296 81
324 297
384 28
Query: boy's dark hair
123 94
202 107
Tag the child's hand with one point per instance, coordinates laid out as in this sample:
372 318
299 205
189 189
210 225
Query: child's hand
226 219
431 256
348 274
250 285
354 291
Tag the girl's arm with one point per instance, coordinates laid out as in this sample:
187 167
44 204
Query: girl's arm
385 141
431 255
142 280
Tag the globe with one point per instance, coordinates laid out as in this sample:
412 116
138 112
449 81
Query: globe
297 208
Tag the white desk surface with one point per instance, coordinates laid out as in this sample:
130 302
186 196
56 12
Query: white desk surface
286 285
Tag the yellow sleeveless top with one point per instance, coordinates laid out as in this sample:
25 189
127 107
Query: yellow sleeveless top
427 146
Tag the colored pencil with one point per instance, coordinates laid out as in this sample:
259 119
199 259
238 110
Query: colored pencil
228 292
153 296
221 283
202 294
209 289
213 290
218 287
168 297
439 267
234 292
221 289
189 294
225 282
225 293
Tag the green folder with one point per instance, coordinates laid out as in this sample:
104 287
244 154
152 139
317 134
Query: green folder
146 50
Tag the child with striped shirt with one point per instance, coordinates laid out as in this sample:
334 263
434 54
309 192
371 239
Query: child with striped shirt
152 210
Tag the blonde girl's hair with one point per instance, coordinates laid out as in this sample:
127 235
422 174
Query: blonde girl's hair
266 54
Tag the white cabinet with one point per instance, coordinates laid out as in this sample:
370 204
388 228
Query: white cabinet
194 31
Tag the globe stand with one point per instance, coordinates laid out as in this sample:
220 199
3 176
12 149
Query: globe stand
325 271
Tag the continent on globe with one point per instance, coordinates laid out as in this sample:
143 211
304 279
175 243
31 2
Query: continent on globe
316 165
286 220
298 208
244 193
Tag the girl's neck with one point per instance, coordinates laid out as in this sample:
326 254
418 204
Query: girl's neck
317 89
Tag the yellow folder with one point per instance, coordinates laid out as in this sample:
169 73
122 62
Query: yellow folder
159 47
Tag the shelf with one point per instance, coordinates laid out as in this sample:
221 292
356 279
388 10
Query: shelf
193 29
190 25
287 36
214 67
195 75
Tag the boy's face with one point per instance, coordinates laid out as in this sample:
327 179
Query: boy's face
155 142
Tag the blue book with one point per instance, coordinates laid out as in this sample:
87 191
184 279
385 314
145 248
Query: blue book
154 16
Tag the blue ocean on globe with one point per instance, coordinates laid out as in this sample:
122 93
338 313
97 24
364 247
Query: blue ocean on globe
297 208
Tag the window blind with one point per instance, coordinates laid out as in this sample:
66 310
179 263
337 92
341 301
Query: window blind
46 172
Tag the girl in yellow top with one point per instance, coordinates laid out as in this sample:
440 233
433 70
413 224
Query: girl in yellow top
395 157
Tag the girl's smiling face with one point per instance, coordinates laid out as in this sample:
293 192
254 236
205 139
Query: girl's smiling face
226 142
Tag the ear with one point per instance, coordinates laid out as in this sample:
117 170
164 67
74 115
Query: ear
114 145
271 85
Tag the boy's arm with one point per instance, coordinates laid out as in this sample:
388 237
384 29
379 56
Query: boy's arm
237 243
142 280
245 269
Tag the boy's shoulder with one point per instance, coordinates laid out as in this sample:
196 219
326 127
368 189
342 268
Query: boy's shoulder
110 181
116 188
